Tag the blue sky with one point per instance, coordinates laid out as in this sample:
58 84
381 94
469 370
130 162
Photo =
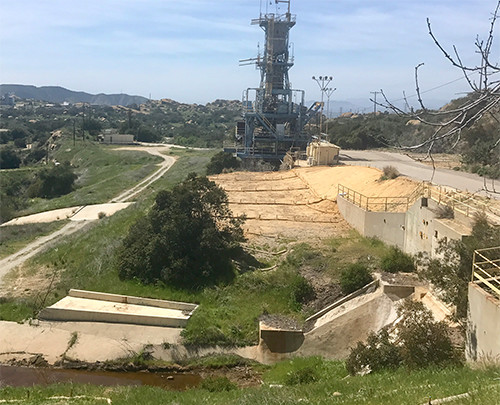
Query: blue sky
188 50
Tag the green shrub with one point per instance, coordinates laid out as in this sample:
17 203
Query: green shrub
222 161
302 290
9 159
354 277
390 173
397 261
304 375
53 182
377 354
218 384
421 342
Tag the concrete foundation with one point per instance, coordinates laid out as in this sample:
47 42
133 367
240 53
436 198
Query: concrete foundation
92 306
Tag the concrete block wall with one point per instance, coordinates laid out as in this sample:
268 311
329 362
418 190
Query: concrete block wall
483 326
414 231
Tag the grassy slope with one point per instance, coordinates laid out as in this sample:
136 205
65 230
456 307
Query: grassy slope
103 173
15 237
394 387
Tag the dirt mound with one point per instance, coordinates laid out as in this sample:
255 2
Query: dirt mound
301 203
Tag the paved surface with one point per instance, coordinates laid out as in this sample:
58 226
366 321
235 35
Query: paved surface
96 341
80 213
419 171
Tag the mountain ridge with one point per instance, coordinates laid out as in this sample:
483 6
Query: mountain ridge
58 94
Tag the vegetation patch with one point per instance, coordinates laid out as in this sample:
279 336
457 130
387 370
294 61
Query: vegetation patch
15 237
188 238
354 277
421 342
395 260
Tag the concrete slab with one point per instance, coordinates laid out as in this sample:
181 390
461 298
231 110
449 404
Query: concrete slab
92 306
79 213
95 341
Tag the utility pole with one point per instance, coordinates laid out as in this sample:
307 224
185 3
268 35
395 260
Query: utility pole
83 123
375 100
329 93
74 132
323 82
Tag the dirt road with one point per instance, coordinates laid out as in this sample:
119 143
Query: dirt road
18 258
419 171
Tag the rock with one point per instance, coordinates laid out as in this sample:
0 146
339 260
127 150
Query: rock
37 361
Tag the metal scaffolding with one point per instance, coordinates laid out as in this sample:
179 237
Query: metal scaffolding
274 113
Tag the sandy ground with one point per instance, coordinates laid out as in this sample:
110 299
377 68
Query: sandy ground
301 204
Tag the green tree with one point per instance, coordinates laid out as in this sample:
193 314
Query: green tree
9 159
221 161
53 181
188 239
451 272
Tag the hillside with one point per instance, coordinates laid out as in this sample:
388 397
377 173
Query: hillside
56 94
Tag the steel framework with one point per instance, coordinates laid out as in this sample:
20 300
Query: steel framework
274 113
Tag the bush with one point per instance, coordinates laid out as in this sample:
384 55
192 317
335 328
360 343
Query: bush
218 384
397 261
420 343
354 277
53 182
221 161
445 212
302 290
303 375
390 173
423 341
377 354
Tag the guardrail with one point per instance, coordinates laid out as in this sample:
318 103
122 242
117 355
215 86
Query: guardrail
387 204
465 204
486 270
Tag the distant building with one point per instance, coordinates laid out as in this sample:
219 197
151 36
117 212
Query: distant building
118 139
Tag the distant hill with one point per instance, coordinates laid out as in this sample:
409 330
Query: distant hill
56 94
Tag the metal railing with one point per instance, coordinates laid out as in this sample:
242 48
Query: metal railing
386 204
465 204
486 270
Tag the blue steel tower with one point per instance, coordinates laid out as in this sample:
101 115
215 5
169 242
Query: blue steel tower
274 113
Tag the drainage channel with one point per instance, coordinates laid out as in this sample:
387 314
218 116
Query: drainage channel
16 376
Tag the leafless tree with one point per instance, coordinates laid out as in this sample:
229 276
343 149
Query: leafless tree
484 97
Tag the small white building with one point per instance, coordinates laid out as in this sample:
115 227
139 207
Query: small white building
322 153
118 139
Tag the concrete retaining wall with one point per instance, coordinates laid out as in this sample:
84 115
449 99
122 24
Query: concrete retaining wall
416 230
78 315
280 340
127 299
387 226
483 329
